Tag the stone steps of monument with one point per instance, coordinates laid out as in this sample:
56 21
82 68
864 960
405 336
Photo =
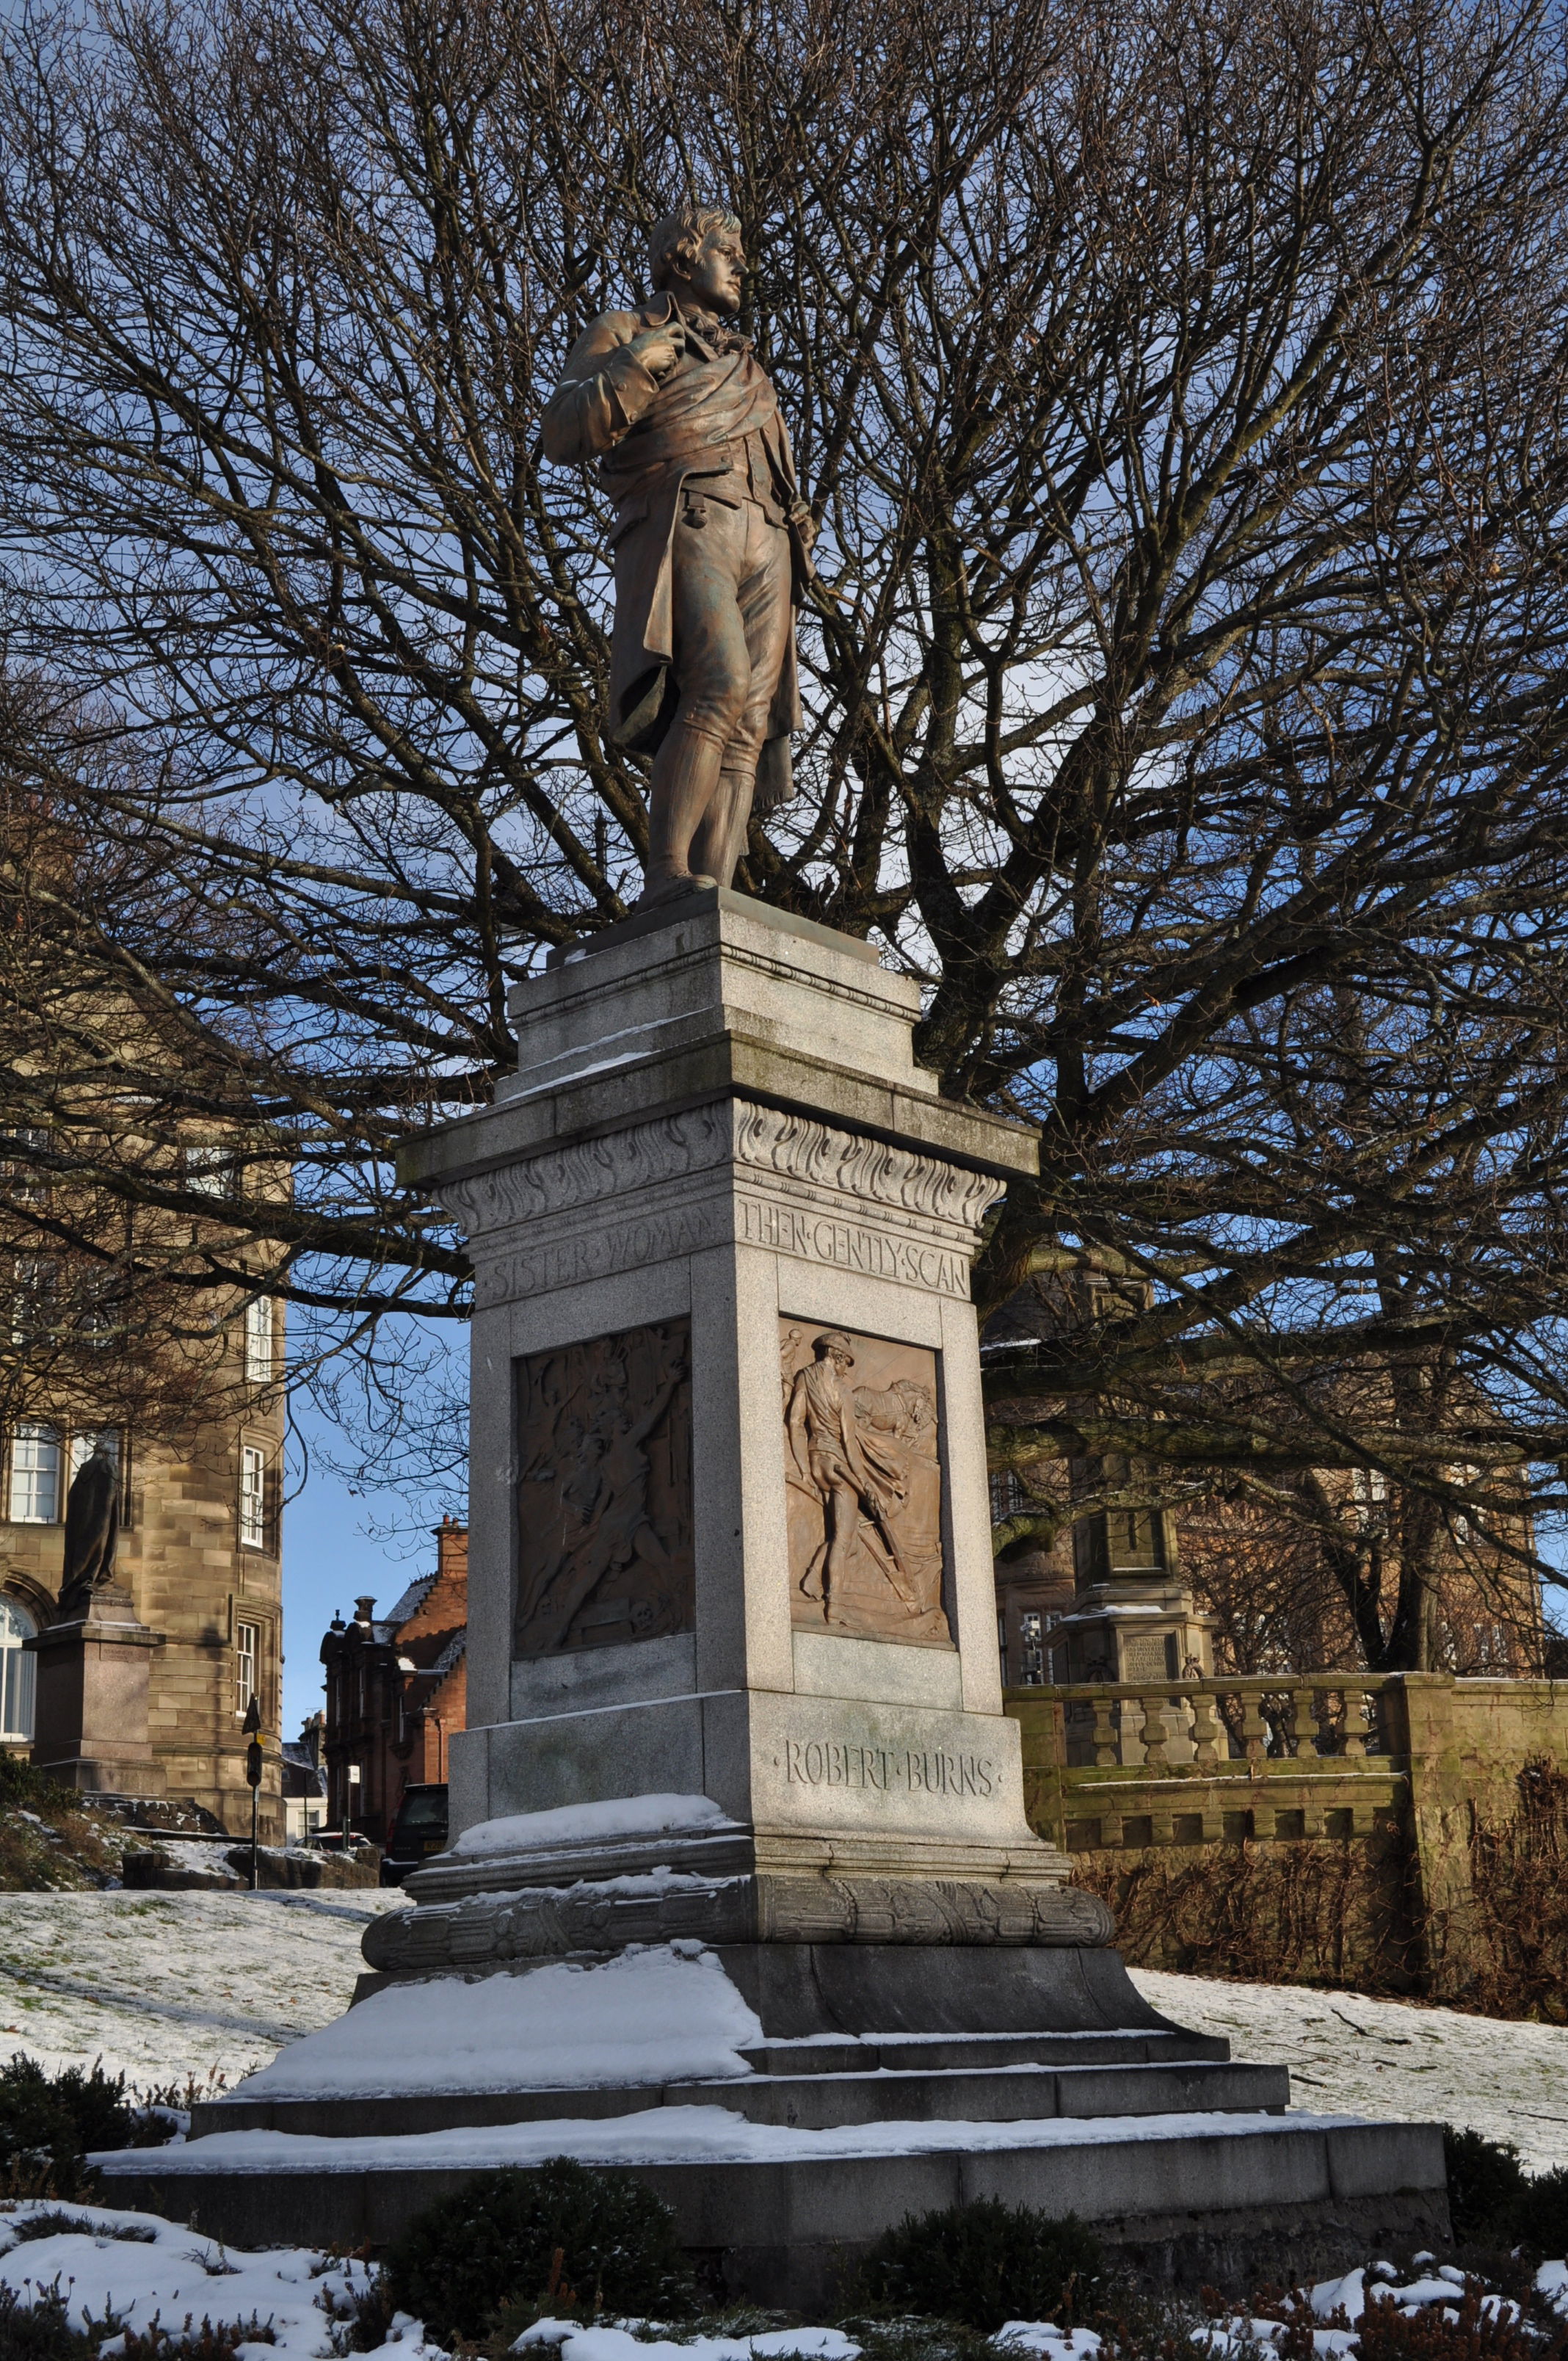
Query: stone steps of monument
932 2051
815 2102
1227 2199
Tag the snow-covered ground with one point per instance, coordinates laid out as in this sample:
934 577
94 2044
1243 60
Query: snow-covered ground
1389 2058
139 2267
162 1986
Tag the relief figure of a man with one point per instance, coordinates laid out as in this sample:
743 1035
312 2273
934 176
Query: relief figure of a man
711 542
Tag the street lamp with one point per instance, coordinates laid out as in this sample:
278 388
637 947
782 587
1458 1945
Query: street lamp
252 1727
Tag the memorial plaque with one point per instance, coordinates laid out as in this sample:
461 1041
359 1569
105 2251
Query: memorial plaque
604 1491
863 1481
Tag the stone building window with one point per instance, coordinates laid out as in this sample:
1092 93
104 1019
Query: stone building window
20 1180
82 1446
252 1496
16 1672
1007 1495
209 1171
35 1476
258 1341
1032 1649
247 1664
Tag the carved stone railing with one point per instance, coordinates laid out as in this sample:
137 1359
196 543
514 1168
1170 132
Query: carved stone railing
1205 1725
1120 1766
1184 1804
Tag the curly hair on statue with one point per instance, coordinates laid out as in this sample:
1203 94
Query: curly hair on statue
675 237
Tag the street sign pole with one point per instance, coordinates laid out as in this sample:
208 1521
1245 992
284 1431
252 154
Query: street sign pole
253 1759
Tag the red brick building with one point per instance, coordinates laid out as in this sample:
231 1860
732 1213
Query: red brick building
396 1690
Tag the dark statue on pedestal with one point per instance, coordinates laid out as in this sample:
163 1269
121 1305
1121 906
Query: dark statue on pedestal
92 1535
712 545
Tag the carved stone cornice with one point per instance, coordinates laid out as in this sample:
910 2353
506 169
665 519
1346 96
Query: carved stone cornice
759 1140
485 1933
871 1170
590 1170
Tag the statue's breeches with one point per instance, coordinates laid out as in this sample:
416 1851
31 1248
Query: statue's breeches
731 616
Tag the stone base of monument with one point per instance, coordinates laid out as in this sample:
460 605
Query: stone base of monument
607 1999
743 1896
830 2128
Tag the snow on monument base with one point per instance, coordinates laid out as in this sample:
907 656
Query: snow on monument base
743 1895
745 2085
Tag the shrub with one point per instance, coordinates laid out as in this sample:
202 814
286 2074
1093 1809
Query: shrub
1540 2217
186 2343
47 2122
984 2264
40 2329
1476 2333
580 2239
58 2224
1486 2182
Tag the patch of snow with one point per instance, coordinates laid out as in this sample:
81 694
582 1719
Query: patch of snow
209 1855
1043 2336
575 2343
660 2013
1551 2281
622 1816
1347 2295
1390 2060
1429 2290
136 2265
675 2135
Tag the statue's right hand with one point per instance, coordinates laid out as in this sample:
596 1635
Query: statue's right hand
658 349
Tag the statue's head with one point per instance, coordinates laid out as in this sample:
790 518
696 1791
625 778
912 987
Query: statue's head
695 252
834 1346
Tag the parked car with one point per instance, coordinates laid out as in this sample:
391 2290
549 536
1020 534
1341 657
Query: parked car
418 1829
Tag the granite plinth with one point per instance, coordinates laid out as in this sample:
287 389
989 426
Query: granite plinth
1183 2204
729 1560
90 1728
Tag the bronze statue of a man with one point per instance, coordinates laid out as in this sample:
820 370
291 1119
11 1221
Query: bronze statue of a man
91 1533
712 546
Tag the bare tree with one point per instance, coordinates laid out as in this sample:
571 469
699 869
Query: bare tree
1182 392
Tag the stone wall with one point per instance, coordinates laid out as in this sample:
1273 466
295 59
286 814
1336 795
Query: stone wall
1404 1832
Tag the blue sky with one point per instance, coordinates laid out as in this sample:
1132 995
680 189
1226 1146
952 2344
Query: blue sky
335 1547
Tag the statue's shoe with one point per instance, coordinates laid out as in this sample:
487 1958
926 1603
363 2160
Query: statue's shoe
660 890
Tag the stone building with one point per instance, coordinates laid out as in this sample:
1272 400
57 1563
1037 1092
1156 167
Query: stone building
396 1691
199 1550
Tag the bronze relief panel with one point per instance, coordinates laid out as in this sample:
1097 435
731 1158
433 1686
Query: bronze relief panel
863 1485
604 1491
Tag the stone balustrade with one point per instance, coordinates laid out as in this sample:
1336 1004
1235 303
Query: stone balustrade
1113 1764
1202 1785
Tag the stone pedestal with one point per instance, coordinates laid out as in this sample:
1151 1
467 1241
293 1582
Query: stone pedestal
734 1695
90 1717
717 1152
